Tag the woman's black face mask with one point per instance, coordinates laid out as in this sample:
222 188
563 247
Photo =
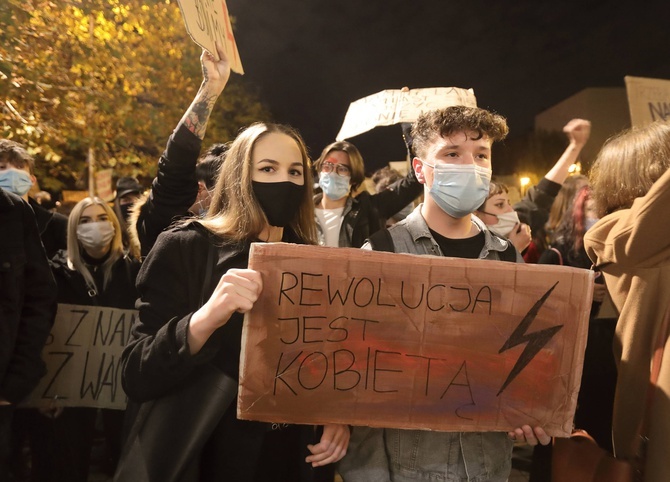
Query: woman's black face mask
280 200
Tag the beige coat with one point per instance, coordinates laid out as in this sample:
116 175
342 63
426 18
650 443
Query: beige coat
632 248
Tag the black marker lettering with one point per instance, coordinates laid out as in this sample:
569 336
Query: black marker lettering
282 290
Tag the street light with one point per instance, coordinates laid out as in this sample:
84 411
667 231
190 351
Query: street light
524 181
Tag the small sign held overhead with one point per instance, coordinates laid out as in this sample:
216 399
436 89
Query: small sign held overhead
208 22
390 107
648 100
103 184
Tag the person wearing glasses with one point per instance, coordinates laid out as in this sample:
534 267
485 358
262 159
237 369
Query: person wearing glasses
344 218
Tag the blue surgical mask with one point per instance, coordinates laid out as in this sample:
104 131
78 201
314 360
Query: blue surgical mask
16 181
459 189
334 186
589 222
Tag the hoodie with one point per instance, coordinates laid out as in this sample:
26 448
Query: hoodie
632 248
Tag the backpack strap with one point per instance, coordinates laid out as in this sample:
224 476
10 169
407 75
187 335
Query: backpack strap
560 256
382 241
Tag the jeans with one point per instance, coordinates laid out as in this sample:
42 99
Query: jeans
383 455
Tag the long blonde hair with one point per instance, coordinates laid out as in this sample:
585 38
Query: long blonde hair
74 247
234 212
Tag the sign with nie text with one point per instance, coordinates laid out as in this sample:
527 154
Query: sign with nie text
390 107
415 342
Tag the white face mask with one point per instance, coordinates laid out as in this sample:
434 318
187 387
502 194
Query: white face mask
505 224
94 236
459 189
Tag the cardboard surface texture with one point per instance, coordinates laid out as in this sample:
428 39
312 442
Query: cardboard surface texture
208 22
648 100
83 357
395 340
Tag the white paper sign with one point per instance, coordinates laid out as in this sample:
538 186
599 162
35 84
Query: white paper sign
390 107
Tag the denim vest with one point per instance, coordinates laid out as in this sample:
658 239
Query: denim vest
395 455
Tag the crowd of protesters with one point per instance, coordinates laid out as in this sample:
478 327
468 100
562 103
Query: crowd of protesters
178 252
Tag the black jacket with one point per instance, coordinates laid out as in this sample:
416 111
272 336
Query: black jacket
27 299
367 213
120 292
534 208
52 227
157 361
173 190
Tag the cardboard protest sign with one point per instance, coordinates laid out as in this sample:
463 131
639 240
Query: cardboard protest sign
648 100
417 342
390 107
83 357
207 22
103 184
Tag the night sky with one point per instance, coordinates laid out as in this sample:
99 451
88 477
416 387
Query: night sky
311 58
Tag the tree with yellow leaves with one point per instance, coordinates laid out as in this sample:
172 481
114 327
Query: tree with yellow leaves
110 76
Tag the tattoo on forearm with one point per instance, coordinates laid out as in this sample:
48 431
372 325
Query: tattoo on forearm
198 114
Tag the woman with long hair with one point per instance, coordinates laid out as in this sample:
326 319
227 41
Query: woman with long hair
631 246
596 394
263 194
94 271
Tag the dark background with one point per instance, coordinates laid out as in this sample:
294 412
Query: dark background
311 58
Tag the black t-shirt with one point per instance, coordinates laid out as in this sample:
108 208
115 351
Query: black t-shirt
460 248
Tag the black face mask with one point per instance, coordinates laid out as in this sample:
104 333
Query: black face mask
125 211
280 200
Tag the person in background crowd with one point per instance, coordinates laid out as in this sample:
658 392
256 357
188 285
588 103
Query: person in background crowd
347 219
207 172
630 245
17 176
94 271
533 209
596 393
499 217
178 190
128 191
382 179
27 311
263 194
453 161
563 202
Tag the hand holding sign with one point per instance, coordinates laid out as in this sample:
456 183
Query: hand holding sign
238 290
332 446
215 73
532 436
207 22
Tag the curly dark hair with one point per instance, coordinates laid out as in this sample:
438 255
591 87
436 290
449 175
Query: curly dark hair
447 121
